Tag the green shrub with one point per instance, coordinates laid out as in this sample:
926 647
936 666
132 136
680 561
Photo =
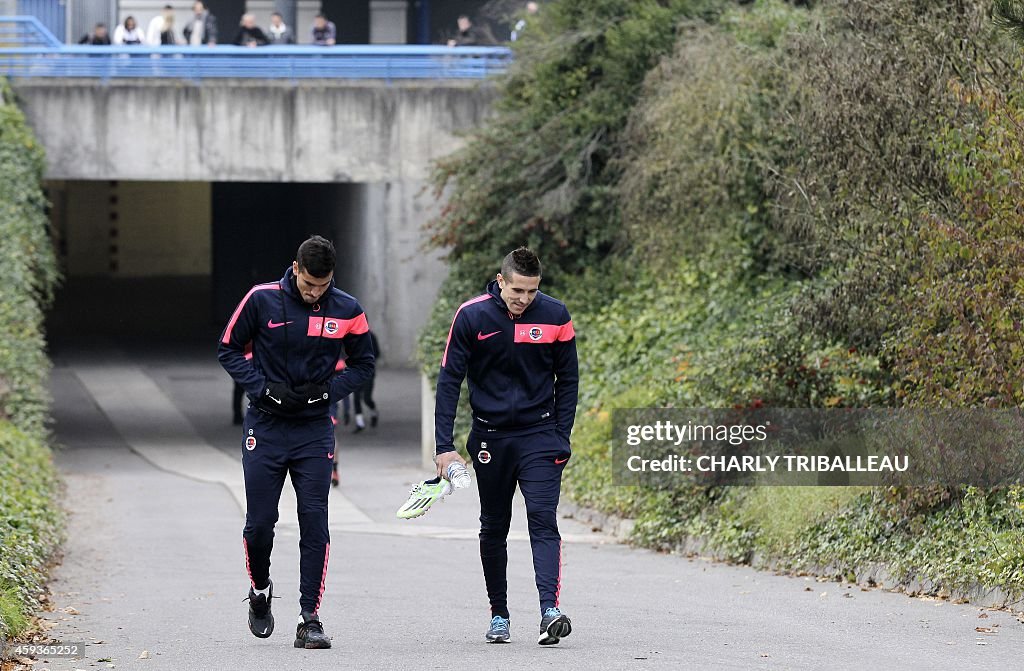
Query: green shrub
30 519
30 524
30 271
961 340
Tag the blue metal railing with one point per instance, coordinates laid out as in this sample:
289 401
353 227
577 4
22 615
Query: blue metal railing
25 31
39 54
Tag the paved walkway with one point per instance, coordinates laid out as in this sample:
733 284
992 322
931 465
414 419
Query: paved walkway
153 574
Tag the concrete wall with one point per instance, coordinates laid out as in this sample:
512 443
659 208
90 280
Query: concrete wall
229 130
132 229
395 281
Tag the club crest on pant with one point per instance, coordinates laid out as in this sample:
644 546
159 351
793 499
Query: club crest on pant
250 443
483 456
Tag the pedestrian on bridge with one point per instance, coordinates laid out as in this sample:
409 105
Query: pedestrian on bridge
279 33
295 329
249 34
517 346
98 37
161 28
323 33
202 29
129 33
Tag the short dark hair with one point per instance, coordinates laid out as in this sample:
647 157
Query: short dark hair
320 16
276 14
316 256
522 261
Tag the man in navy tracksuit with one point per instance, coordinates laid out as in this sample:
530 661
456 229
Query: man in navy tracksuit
518 348
282 344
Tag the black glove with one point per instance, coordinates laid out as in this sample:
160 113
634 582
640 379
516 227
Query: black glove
313 395
278 399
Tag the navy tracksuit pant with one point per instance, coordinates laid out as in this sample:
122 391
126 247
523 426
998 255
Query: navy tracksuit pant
534 462
271 448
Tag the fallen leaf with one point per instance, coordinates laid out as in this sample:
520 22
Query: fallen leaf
70 610
823 595
144 655
983 616
847 596
985 630
808 589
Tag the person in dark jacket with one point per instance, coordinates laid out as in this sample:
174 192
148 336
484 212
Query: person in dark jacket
282 345
249 34
323 33
202 27
470 35
99 36
517 347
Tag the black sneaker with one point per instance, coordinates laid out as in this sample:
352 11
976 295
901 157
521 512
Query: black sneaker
553 627
373 419
310 633
261 620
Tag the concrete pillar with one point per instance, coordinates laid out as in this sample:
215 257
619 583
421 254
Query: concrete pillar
388 21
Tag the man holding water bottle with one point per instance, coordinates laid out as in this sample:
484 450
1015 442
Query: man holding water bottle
517 347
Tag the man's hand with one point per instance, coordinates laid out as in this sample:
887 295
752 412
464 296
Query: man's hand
444 459
313 395
279 399
276 395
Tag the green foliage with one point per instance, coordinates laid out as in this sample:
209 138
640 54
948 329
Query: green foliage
30 520
962 342
30 524
30 271
541 171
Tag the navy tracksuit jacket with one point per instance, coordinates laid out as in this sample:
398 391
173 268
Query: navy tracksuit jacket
275 336
523 386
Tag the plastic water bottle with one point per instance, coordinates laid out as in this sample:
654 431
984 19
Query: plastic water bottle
458 475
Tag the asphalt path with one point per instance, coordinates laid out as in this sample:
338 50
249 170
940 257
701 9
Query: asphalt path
153 575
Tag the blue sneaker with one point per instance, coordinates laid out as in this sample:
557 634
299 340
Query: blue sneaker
554 626
498 633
